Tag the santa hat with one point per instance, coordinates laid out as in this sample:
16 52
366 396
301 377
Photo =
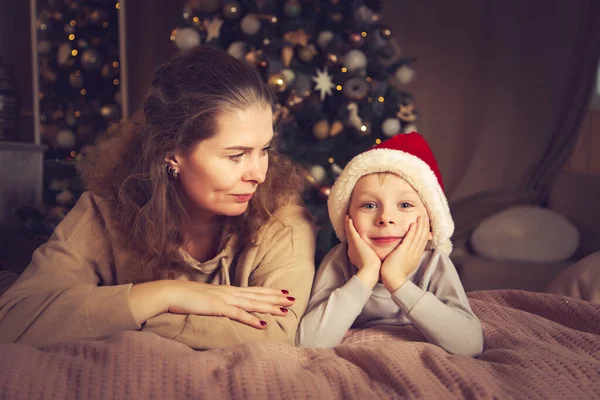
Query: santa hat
409 156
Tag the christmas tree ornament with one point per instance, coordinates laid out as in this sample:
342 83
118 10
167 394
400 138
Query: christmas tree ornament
232 10
187 38
390 127
336 128
288 76
110 70
91 60
318 173
98 16
321 129
365 16
292 8
406 111
355 61
65 55
254 57
404 74
362 127
385 32
287 53
213 28
250 25
324 83
324 39
276 82
307 53
65 139
356 40
297 37
325 191
110 112
332 59
237 49
356 89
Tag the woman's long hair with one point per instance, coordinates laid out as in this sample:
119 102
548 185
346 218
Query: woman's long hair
127 164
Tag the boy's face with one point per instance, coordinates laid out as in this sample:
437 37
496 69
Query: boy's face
382 207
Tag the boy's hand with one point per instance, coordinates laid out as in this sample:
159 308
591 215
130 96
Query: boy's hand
405 258
362 256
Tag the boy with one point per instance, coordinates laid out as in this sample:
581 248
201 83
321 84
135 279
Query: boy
391 267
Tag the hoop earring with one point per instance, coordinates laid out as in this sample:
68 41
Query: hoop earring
172 172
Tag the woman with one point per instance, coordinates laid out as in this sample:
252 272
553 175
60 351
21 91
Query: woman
192 227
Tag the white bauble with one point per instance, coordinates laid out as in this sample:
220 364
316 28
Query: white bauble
187 38
237 50
404 74
324 39
390 126
318 172
250 25
355 61
288 76
526 233
65 139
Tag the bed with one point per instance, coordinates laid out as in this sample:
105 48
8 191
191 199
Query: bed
537 345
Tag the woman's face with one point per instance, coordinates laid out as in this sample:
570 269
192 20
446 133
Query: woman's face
220 174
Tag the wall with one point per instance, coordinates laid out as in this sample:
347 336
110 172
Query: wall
586 156
148 27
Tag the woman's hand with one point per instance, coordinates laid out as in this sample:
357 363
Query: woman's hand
362 256
187 297
405 258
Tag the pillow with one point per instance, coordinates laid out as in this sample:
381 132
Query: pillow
581 280
526 233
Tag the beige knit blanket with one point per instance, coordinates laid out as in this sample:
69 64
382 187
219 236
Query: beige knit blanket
537 346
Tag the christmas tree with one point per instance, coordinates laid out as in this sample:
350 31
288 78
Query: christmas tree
336 70
79 91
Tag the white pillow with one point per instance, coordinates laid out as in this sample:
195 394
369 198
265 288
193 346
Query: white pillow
526 233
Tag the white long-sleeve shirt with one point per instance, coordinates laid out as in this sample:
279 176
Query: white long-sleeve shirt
432 298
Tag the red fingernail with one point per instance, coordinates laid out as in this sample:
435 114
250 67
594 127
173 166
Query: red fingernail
283 309
284 291
291 299
263 323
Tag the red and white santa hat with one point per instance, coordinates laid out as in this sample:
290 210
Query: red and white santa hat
409 156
